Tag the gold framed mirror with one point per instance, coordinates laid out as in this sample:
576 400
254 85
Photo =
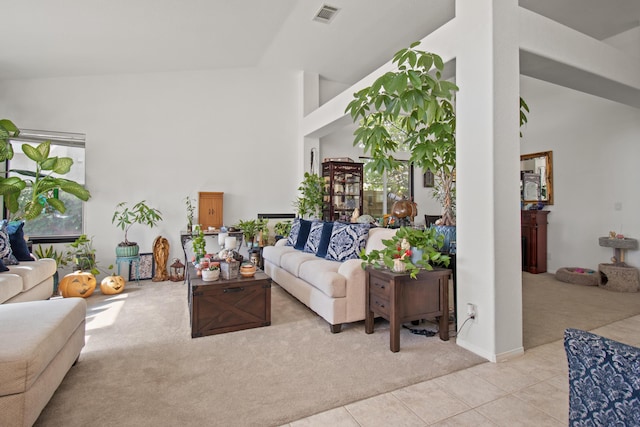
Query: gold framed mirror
536 173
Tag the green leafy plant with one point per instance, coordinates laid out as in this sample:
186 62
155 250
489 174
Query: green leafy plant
189 203
140 213
418 102
83 254
250 229
401 246
282 228
311 198
63 258
198 243
43 188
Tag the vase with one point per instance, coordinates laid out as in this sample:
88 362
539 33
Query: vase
210 275
399 266
416 256
449 233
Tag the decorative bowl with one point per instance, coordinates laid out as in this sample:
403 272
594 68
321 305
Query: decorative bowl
247 270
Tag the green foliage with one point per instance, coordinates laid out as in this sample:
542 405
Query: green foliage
251 227
198 243
140 213
189 203
311 198
417 104
524 109
63 258
8 130
83 254
400 246
282 228
44 188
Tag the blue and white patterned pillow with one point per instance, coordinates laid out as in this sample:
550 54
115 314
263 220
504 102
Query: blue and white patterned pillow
347 240
604 380
293 233
315 234
6 255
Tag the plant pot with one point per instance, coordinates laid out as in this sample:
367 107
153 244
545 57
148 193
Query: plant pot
399 266
210 275
416 255
449 233
127 251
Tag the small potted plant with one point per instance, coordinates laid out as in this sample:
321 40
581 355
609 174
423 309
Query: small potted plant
282 229
212 272
398 252
249 230
125 217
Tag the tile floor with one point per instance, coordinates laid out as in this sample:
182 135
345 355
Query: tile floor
530 390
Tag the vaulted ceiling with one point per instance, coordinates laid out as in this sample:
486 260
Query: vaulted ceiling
54 38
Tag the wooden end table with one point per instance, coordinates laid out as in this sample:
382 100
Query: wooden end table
228 305
399 299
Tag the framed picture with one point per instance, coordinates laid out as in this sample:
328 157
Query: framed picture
147 267
428 179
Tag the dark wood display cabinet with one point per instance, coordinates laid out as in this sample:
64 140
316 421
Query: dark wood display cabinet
534 241
343 190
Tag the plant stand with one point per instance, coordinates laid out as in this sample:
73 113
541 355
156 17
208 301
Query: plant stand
131 260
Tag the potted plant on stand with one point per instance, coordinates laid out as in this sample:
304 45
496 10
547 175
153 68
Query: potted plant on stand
282 229
125 217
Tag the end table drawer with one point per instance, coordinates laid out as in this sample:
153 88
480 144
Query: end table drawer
379 304
379 286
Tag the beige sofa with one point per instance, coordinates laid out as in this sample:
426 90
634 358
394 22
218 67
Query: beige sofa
40 340
334 290
28 281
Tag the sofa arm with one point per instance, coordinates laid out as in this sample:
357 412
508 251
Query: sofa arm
281 242
356 288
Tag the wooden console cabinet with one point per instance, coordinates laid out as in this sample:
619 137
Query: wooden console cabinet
534 241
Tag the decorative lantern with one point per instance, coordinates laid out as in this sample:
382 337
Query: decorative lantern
177 271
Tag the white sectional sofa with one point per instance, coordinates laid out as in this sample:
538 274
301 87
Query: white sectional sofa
333 289
28 281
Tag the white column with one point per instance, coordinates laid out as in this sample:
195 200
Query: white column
488 217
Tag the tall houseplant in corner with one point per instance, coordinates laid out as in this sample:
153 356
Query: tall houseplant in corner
124 217
418 103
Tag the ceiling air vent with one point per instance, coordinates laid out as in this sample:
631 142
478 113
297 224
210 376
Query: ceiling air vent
326 14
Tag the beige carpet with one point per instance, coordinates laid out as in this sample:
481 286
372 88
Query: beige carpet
140 366
550 306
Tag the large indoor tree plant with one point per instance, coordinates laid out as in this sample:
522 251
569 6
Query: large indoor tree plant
415 103
40 189
311 199
418 103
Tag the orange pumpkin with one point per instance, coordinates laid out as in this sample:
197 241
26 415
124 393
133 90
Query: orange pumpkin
112 285
77 284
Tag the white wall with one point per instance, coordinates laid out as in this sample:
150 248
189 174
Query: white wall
596 148
161 137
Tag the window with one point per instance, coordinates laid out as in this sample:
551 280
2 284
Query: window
381 191
53 226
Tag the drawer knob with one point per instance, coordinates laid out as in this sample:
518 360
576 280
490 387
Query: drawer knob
229 290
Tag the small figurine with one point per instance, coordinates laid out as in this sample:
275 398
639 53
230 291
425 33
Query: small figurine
355 215
612 234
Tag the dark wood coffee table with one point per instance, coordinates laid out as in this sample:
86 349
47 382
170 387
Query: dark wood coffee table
229 305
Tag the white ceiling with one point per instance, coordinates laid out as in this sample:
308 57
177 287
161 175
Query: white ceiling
53 38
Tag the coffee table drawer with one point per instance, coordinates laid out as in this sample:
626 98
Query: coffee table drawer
379 304
379 286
